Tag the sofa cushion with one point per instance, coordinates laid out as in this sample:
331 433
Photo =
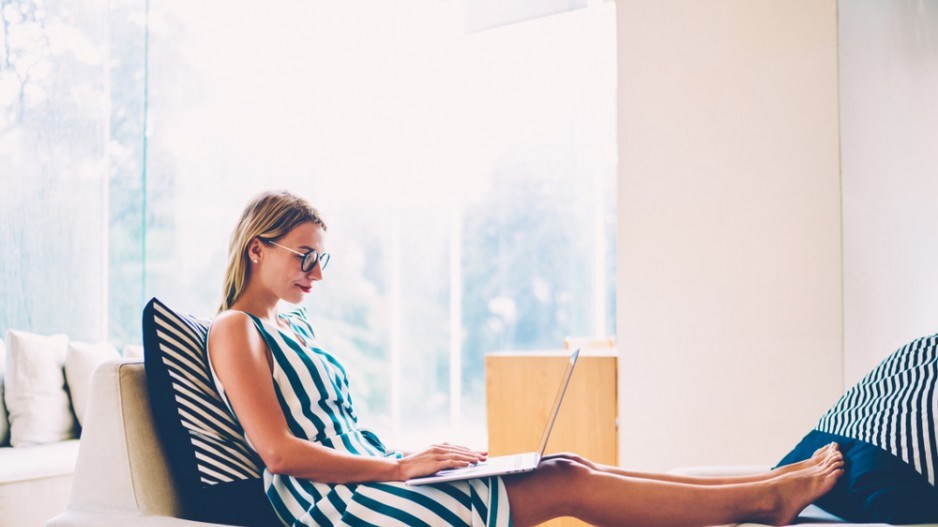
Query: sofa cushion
34 390
31 502
895 407
886 427
876 486
38 461
4 422
218 474
81 360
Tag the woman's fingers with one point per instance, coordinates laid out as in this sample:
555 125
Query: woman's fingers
457 464
446 448
455 447
440 452
439 457
458 457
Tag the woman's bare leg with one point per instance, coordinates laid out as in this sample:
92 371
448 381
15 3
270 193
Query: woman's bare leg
819 457
563 487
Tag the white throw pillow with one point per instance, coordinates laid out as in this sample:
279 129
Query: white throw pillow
35 393
4 422
80 362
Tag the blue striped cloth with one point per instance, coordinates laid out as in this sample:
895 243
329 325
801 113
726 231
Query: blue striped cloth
313 391
894 407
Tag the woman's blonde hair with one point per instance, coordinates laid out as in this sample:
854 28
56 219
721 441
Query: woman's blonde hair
269 216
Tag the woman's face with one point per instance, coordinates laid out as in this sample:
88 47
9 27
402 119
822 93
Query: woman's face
280 270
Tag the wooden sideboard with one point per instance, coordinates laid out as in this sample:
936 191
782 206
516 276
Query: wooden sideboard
520 389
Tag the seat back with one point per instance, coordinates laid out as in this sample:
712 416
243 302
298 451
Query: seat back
121 464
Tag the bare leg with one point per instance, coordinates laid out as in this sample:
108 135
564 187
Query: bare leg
563 487
820 456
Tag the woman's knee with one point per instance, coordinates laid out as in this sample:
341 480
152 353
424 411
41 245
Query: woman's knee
553 490
565 468
571 456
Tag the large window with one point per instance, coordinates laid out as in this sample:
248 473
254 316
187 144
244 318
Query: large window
53 167
467 179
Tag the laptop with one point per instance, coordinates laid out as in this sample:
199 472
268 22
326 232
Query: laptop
513 464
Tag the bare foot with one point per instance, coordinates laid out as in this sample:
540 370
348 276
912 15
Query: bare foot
790 493
819 457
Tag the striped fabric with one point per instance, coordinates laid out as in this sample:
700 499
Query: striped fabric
313 391
894 407
217 439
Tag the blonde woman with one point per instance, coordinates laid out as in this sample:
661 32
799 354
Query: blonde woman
292 399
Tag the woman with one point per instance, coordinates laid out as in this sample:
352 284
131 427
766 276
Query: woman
292 400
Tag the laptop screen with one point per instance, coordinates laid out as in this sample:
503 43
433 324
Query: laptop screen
557 400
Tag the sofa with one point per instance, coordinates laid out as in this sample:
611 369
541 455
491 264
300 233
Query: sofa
35 482
122 477
36 466
40 421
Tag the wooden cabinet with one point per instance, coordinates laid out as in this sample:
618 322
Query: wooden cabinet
520 389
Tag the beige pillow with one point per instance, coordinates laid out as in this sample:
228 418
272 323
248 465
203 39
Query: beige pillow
34 391
80 362
4 422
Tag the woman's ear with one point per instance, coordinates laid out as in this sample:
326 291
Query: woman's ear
255 248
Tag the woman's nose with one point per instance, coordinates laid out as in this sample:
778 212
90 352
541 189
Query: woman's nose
315 273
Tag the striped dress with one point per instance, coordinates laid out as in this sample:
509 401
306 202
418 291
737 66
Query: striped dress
313 391
895 407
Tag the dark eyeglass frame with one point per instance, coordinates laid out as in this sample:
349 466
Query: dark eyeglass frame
309 259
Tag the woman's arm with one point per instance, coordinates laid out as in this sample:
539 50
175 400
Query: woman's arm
240 358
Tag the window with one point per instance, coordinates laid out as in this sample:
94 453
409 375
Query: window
53 129
468 181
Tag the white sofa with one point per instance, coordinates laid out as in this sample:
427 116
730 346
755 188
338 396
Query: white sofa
34 480
122 476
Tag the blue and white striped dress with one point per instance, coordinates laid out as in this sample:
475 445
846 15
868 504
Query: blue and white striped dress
313 391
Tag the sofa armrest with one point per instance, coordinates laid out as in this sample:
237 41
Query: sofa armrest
121 465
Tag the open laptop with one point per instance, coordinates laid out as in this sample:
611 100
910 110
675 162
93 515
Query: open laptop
500 465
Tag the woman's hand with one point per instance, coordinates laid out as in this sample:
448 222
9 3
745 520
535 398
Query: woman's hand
437 458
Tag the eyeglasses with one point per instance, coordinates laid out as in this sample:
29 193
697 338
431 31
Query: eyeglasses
309 259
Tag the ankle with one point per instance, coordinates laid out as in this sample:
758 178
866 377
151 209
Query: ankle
768 502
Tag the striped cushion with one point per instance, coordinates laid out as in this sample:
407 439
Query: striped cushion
885 426
204 442
876 486
894 407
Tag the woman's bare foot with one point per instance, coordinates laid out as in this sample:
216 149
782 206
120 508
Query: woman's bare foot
819 457
789 494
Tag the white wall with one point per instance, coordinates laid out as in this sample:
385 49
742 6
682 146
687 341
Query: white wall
729 244
889 129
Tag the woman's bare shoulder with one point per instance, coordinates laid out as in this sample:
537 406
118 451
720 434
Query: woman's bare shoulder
231 318
232 330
